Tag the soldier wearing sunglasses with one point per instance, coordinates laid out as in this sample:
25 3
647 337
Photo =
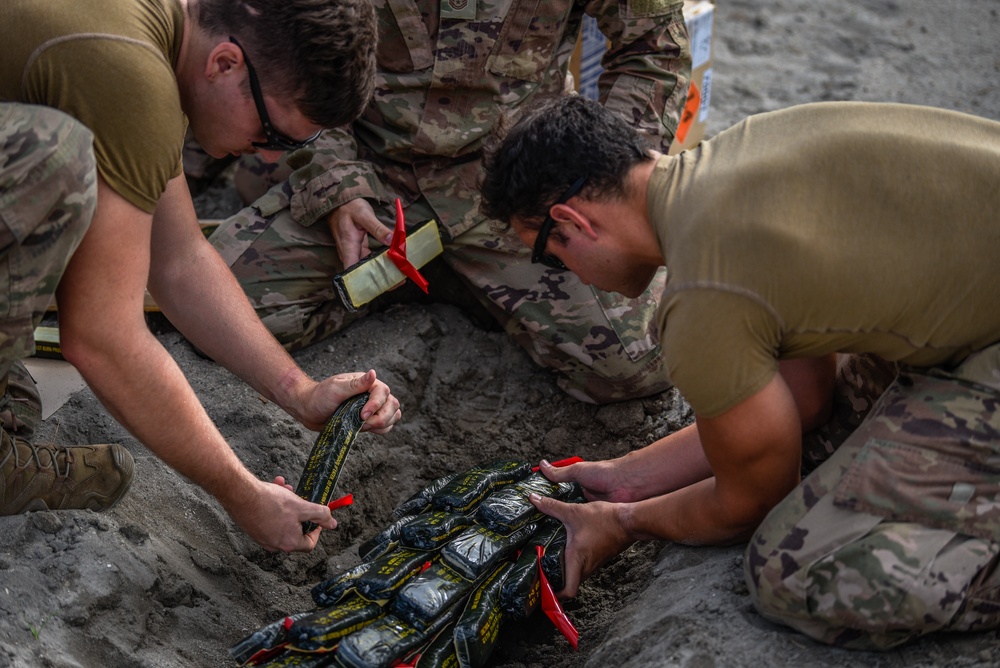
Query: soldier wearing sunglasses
794 241
95 99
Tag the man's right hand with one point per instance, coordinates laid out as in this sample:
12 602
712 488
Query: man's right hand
273 515
351 224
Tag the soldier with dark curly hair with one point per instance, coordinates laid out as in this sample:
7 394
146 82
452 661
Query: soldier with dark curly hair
790 238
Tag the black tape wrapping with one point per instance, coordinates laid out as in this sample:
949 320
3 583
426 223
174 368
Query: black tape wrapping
421 501
521 591
432 530
380 542
266 637
440 652
424 598
387 639
329 453
508 508
465 492
390 572
553 562
322 630
477 549
478 629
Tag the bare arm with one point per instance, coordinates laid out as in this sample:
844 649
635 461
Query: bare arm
750 460
199 294
103 333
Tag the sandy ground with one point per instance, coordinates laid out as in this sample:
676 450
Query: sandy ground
165 579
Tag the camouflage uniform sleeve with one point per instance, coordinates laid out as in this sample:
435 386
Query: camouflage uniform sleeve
329 174
647 67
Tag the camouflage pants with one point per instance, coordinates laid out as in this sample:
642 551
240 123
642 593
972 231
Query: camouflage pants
603 346
896 535
48 191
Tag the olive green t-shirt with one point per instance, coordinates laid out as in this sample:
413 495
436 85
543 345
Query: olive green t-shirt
850 227
109 64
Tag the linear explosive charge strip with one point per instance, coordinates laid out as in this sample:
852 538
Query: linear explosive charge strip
326 461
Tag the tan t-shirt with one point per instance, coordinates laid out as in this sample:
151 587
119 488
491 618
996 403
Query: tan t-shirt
847 227
109 65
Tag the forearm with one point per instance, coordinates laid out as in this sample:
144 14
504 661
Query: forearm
669 464
142 387
199 294
334 176
694 515
204 301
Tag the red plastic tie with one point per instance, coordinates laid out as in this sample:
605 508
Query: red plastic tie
397 250
345 500
551 606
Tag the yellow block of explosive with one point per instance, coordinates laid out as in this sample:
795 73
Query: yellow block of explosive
364 281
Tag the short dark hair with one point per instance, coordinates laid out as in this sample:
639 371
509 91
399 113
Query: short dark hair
530 160
319 53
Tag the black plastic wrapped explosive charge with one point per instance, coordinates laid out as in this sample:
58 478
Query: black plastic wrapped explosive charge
265 638
554 560
432 530
440 653
521 591
325 628
509 508
390 572
293 659
385 640
422 600
421 501
465 491
326 461
330 591
384 540
477 549
478 629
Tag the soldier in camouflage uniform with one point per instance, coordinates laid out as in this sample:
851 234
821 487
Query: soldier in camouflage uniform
790 239
447 71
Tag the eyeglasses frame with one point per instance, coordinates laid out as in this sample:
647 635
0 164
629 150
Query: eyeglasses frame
538 255
276 141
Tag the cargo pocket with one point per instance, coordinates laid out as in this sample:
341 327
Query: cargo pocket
633 320
528 40
922 485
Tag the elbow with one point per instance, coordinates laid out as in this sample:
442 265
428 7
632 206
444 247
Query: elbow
78 349
91 346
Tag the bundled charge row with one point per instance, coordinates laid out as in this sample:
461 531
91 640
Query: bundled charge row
435 587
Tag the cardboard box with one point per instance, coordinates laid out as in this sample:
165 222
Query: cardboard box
699 15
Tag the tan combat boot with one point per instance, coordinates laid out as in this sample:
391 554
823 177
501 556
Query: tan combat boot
49 477
21 408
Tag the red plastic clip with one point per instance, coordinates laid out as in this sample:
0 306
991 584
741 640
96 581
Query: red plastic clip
551 606
397 250
345 500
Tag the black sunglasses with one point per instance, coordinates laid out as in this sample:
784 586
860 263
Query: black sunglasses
539 255
275 140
